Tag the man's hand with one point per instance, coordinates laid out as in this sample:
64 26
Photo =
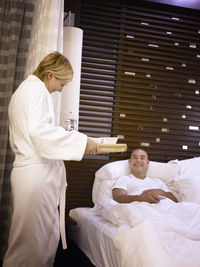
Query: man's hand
92 147
151 195
153 192
148 198
120 195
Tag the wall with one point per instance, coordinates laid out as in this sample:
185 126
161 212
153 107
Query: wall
159 51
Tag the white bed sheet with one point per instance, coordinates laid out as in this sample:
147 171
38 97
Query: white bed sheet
156 235
144 245
94 236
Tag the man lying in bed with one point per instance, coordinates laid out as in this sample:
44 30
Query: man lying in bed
145 189
167 232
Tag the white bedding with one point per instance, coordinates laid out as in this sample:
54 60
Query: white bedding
94 236
139 234
164 234
147 244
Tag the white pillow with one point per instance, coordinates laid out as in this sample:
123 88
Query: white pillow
188 182
189 167
111 171
104 190
188 188
164 171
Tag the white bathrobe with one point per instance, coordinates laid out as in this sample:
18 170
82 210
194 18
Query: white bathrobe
38 178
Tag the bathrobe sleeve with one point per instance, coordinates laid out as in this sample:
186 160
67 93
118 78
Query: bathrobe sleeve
50 141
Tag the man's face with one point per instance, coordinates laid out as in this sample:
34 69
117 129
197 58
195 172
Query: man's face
139 162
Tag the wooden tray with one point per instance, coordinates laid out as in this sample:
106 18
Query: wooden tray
112 148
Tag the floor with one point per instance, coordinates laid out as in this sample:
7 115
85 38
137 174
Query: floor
72 257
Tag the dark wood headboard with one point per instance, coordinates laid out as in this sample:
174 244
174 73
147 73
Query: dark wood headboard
80 178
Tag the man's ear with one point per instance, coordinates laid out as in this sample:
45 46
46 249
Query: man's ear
147 163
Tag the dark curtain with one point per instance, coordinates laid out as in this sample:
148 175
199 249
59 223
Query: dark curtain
15 26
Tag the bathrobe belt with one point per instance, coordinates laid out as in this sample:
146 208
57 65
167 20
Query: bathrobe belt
62 199
62 210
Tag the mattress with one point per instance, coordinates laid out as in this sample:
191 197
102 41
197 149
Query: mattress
107 245
94 236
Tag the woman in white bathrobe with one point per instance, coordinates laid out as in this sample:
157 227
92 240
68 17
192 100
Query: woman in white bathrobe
38 179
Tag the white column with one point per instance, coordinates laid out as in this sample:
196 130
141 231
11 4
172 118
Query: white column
72 50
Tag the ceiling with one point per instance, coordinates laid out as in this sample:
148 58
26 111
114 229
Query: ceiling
194 4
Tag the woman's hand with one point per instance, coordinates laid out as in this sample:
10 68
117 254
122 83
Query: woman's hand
92 147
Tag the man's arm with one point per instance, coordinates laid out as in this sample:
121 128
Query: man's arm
120 195
159 192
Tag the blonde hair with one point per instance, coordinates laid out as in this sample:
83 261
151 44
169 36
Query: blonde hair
57 64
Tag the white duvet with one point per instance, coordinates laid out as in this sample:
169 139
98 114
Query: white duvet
166 234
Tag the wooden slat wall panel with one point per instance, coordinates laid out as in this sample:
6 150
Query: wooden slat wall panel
140 81
168 60
144 57
80 176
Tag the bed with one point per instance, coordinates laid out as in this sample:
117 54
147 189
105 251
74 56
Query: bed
128 235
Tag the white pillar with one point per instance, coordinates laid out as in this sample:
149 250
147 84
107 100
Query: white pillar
72 50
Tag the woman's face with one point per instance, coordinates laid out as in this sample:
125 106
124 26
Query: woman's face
54 84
